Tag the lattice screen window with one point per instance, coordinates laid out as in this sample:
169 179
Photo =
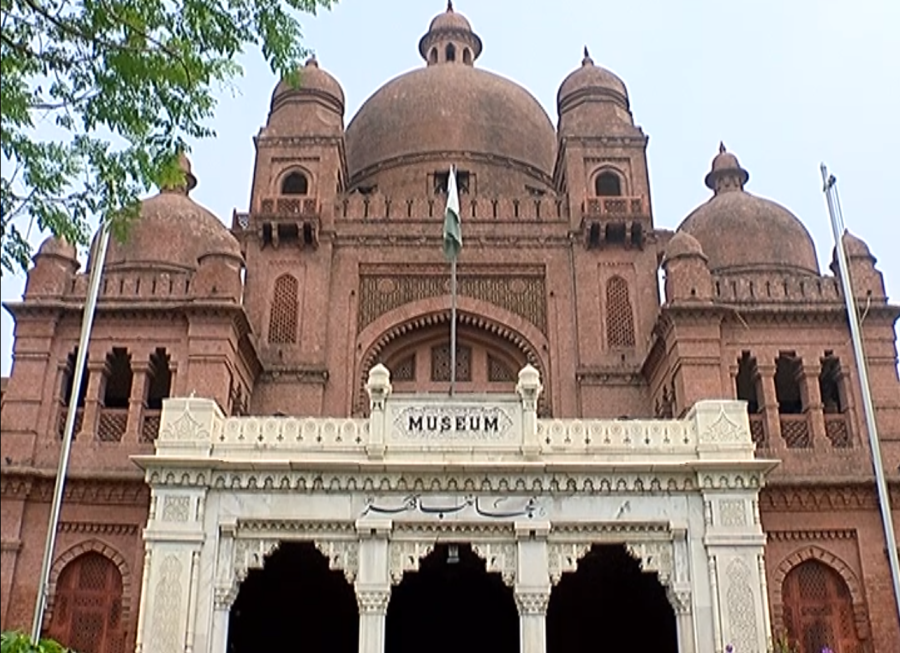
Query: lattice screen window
818 610
499 372
440 363
619 315
87 613
405 370
283 316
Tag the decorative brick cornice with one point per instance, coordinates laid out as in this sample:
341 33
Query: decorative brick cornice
95 528
810 535
812 498
310 374
34 484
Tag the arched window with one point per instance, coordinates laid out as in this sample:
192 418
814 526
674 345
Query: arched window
433 55
467 56
295 183
607 184
451 52
619 316
283 316
87 614
818 610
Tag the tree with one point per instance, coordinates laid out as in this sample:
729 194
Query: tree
16 642
98 98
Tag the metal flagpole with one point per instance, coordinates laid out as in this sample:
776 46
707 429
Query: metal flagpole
452 326
87 322
837 227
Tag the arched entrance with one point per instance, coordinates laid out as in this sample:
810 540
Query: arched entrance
610 604
87 614
452 604
818 610
294 603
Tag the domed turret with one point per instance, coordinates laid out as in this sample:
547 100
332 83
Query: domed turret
172 231
739 231
450 39
315 105
867 280
422 117
687 275
54 264
592 97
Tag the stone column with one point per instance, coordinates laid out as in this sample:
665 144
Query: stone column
768 404
373 585
529 389
532 589
811 395
379 388
97 371
140 381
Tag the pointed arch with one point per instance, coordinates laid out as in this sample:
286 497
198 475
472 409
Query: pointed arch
283 314
812 552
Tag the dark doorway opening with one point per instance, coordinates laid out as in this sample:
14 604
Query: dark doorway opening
610 604
450 605
294 603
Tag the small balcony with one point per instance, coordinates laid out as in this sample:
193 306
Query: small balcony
837 429
795 431
112 424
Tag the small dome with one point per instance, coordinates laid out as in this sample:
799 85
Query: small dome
740 231
58 247
172 231
590 80
683 245
450 20
314 83
450 29
855 247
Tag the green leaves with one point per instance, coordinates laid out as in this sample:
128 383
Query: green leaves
15 642
98 97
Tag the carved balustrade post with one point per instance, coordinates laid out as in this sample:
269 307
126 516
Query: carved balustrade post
140 381
373 584
97 371
379 388
532 588
811 395
529 389
768 403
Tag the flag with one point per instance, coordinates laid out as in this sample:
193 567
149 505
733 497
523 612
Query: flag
452 229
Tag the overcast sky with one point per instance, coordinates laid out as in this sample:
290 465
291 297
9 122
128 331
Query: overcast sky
786 84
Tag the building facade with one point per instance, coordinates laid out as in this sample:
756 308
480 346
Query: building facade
282 328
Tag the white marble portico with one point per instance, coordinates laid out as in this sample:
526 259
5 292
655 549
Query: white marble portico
530 495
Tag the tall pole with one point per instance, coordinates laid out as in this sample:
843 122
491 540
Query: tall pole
87 322
452 326
884 502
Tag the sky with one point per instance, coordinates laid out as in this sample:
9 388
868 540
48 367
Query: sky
785 85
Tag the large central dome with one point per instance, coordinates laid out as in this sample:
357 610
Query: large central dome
450 109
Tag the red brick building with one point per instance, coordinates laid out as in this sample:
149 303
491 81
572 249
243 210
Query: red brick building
337 266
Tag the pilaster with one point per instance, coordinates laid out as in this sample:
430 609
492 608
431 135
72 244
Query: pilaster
137 401
373 584
768 404
811 396
97 371
532 588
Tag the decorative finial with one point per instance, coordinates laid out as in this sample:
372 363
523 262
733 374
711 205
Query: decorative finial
449 5
312 61
587 61
721 147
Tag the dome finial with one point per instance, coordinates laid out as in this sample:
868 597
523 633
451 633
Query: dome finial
449 5
722 147
587 61
312 61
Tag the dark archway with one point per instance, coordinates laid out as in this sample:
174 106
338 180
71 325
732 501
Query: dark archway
452 604
610 604
295 603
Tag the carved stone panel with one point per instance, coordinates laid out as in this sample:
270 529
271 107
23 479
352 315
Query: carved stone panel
404 556
499 557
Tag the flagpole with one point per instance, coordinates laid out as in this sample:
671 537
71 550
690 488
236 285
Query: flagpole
87 322
884 502
452 326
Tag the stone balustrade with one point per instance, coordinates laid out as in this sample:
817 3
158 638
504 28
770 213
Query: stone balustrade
497 427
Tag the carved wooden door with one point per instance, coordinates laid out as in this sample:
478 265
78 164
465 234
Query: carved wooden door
87 610
818 610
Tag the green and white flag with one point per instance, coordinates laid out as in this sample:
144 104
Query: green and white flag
452 229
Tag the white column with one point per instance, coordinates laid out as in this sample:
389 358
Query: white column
373 585
219 635
532 590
